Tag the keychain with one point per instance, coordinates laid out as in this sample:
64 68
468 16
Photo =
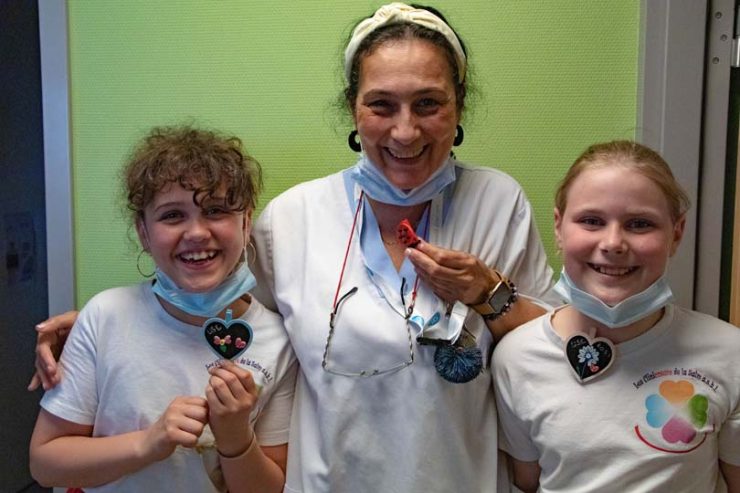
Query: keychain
406 234
459 361
589 356
229 337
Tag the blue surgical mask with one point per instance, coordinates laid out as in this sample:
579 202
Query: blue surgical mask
377 186
209 303
627 311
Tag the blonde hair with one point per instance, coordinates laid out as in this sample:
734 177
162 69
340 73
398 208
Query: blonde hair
634 156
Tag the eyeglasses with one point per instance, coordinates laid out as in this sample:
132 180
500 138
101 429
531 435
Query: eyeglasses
339 301
373 371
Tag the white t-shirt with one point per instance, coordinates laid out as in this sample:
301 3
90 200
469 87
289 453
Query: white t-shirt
127 358
657 421
409 431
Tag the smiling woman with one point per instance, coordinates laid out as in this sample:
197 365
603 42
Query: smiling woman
406 111
381 329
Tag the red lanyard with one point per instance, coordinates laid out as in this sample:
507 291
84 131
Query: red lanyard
337 300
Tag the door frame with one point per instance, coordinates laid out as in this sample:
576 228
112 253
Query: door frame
683 114
54 46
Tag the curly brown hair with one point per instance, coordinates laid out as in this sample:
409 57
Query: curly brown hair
200 160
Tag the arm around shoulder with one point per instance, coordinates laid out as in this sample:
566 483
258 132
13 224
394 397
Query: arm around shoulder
50 338
521 312
503 308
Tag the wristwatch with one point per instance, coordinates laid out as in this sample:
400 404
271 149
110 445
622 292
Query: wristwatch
499 299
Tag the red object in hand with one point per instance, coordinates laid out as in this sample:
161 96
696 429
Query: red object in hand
406 235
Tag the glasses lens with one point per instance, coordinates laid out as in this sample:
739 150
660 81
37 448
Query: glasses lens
348 353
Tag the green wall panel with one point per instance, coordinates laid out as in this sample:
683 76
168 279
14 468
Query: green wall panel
552 77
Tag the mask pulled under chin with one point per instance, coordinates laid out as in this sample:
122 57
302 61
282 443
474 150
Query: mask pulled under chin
378 187
627 311
209 303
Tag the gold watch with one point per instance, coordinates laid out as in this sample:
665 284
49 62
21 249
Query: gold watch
499 299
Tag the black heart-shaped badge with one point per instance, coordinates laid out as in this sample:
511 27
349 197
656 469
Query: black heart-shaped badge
588 357
229 338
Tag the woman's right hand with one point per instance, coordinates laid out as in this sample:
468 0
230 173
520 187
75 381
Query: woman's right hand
181 423
50 339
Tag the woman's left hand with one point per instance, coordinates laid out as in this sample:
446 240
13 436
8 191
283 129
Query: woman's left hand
453 275
231 394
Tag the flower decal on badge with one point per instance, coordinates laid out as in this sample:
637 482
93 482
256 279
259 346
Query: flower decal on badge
678 412
589 356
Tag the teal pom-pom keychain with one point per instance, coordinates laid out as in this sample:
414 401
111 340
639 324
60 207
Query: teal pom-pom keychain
457 363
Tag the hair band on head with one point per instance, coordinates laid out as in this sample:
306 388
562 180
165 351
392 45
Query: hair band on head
400 12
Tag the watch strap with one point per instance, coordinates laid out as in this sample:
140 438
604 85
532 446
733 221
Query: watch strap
485 309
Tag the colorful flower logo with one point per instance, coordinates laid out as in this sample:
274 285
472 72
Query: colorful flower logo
677 411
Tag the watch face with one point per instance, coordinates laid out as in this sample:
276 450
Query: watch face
500 297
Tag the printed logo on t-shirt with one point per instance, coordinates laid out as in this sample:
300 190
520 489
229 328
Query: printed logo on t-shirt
676 413
259 372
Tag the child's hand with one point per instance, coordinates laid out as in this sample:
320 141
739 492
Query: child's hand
231 394
180 424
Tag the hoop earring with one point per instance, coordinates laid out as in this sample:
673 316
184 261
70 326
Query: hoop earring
459 136
353 143
246 253
138 267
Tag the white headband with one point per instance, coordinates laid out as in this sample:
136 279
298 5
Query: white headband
400 12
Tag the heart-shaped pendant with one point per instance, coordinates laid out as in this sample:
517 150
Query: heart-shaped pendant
229 338
588 357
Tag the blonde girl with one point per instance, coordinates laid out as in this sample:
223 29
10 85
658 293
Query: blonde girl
620 390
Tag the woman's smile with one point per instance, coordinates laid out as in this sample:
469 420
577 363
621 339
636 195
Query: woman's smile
405 154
